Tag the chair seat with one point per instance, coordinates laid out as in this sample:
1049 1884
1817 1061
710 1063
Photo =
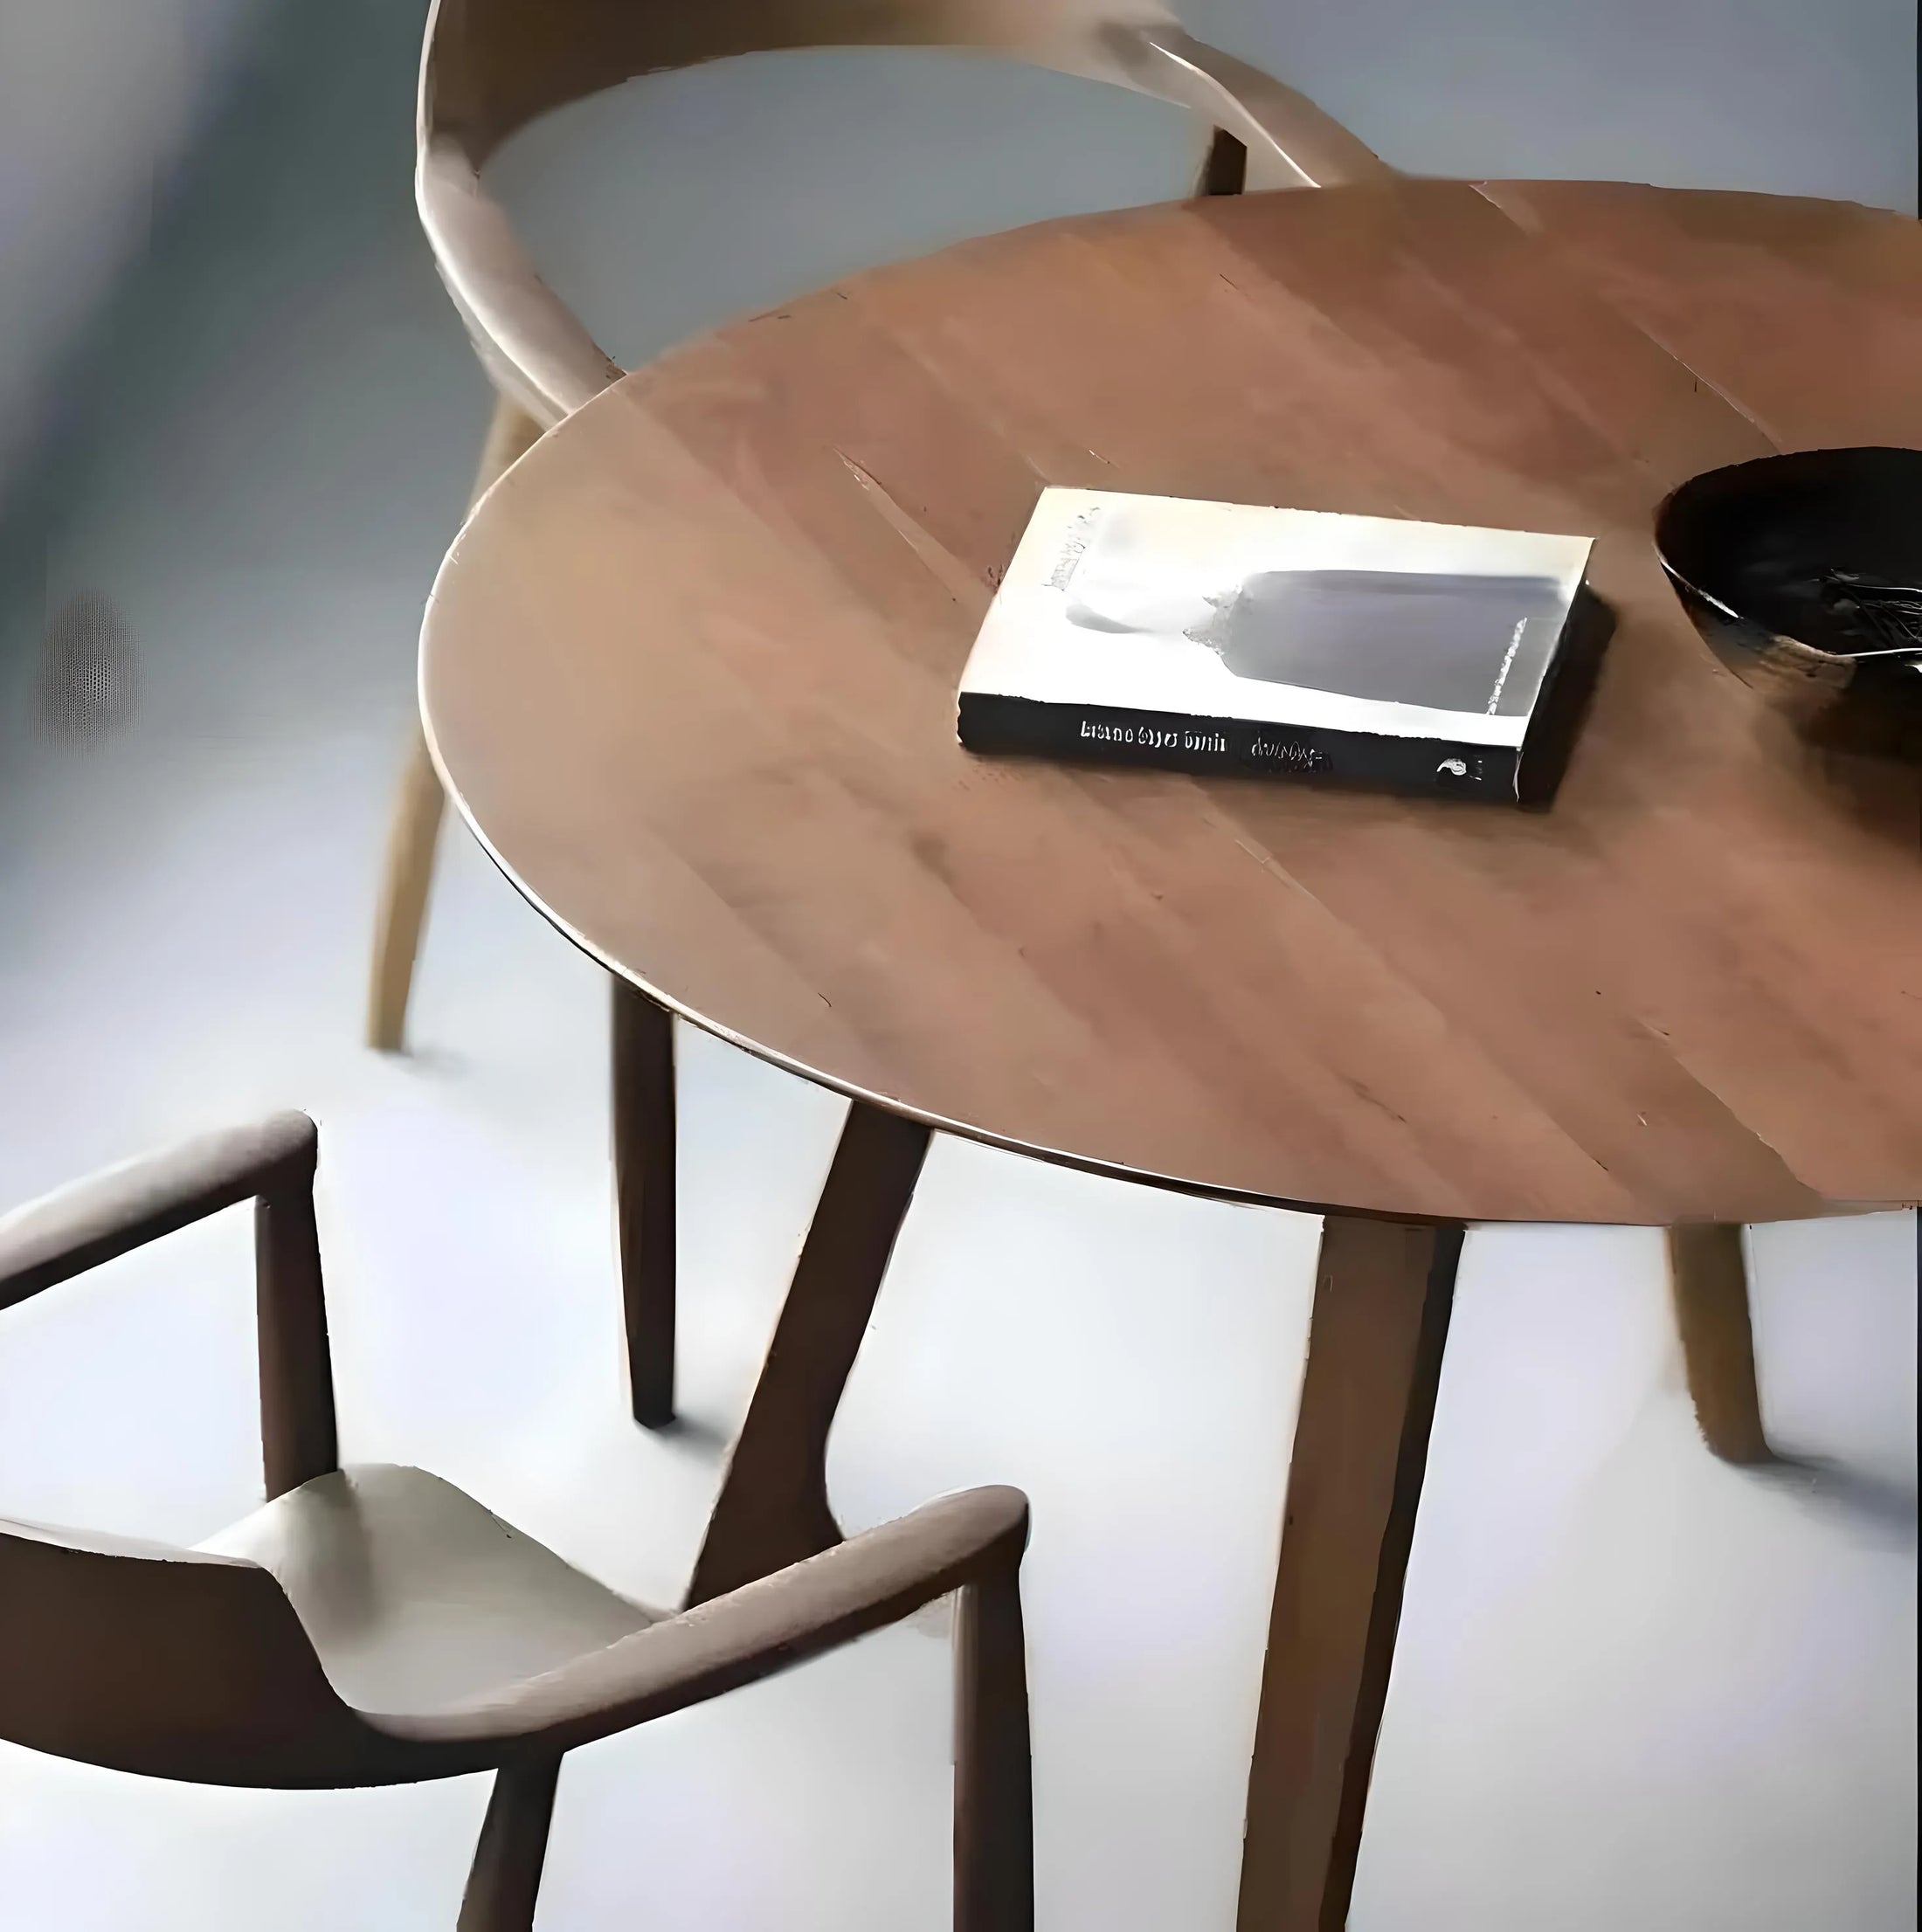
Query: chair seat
415 1598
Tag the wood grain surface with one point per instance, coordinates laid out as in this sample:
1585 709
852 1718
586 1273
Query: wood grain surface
689 671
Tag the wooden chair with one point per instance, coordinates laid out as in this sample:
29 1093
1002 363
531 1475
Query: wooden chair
375 1625
491 66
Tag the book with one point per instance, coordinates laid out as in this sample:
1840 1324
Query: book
1236 637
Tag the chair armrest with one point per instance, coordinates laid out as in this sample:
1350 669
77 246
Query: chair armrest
1290 142
79 1226
538 354
872 1579
530 342
270 1163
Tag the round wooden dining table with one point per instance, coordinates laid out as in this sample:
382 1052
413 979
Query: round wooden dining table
689 672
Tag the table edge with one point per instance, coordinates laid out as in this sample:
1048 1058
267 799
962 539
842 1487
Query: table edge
1827 1209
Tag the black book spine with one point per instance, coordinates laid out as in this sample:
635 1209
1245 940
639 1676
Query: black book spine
1237 747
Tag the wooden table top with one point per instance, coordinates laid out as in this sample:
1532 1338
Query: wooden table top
689 671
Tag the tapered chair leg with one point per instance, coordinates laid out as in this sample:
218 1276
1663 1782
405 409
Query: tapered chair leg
505 1878
1224 165
402 910
993 1778
1709 1282
644 1194
416 824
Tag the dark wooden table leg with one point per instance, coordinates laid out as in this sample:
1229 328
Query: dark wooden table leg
1383 1292
772 1508
643 1044
1708 1281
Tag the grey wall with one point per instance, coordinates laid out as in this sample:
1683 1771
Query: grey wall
1805 97
100 99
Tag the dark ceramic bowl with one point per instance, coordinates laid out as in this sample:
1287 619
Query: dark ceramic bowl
1768 558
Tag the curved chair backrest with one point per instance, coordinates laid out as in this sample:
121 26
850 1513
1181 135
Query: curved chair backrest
169 1662
490 66
179 1663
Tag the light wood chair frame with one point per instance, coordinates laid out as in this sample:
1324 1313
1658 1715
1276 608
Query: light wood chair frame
491 66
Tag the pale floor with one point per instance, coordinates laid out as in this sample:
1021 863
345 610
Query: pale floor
1634 1687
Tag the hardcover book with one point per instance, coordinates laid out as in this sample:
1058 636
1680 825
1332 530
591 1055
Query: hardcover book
1235 638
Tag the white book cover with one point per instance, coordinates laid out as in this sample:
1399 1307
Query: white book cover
1118 607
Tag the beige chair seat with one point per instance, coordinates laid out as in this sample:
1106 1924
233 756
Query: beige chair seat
415 1598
